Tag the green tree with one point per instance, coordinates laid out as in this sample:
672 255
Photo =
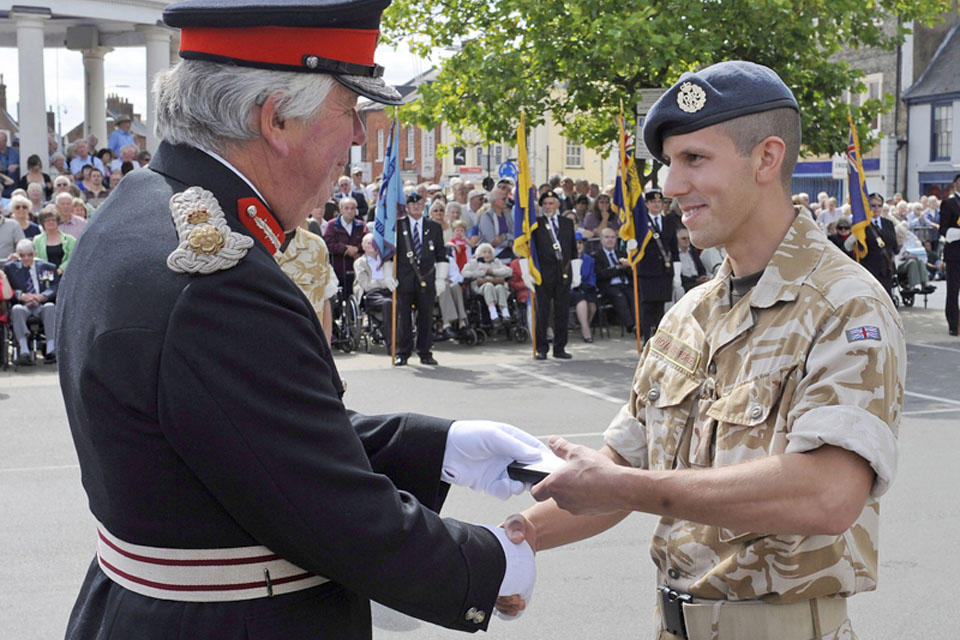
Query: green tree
579 58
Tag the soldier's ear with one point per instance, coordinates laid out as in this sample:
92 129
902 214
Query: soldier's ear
768 158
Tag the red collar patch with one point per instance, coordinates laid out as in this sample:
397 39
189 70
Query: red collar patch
259 221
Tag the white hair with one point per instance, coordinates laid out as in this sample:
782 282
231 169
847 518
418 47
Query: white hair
24 245
64 195
36 186
209 105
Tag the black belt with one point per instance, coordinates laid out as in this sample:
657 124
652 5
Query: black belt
671 610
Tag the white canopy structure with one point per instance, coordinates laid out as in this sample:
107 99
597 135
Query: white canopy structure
93 27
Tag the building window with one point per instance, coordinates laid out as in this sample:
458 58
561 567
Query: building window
874 84
411 143
379 145
574 155
941 131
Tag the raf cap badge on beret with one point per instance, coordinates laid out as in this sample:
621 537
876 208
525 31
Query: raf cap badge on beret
337 37
206 242
712 95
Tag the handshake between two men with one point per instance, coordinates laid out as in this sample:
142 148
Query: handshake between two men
501 460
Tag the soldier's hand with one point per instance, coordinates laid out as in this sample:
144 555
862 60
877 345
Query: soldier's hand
583 485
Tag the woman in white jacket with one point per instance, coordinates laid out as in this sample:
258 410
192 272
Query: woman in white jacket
489 278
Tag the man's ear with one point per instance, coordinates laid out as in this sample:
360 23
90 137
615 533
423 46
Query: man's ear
768 158
273 129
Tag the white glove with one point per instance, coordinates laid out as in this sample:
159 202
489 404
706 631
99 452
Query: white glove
478 452
952 235
575 268
443 269
677 282
850 242
521 573
388 278
632 245
525 274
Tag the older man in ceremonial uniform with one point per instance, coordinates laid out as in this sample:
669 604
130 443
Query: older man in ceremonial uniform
235 495
763 414
556 243
950 231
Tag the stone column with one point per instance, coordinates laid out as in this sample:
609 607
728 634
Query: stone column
95 100
158 59
33 103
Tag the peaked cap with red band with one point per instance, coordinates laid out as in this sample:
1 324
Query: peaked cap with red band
337 37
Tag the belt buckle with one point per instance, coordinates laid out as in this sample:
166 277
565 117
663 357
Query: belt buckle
671 610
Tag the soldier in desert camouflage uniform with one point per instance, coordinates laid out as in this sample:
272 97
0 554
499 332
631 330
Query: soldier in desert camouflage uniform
763 415
306 261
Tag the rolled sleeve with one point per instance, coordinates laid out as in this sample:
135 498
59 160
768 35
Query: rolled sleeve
628 437
853 429
851 395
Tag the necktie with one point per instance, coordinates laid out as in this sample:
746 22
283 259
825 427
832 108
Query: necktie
656 223
612 258
417 244
29 288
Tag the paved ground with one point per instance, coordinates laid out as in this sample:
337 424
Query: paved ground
597 588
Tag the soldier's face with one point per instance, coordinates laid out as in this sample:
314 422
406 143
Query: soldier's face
714 186
315 156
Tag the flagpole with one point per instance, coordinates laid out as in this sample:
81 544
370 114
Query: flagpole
393 331
533 322
636 307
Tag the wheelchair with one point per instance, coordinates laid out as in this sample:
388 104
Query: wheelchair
347 322
514 328
9 348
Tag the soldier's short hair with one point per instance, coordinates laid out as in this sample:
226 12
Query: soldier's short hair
750 130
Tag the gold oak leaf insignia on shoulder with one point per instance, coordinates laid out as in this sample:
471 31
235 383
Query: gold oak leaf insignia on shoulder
206 242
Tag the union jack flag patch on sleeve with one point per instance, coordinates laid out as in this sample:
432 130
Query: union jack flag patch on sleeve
863 333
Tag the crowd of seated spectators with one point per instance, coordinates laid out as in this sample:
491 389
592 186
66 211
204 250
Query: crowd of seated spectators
43 214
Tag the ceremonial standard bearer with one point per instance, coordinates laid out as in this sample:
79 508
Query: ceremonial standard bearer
235 495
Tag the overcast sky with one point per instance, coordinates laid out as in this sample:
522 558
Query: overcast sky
125 75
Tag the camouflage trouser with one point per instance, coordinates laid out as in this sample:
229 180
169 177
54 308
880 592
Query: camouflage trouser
737 625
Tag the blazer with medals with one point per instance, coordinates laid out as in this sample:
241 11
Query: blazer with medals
208 414
950 218
654 276
47 277
432 251
552 268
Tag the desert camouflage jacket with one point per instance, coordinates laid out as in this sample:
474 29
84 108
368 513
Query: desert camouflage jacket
813 355
307 262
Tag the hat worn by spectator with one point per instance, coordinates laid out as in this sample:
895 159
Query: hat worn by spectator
123 117
337 37
547 194
718 93
356 171
653 194
414 197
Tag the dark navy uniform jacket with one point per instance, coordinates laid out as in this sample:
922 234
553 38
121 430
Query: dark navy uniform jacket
654 279
950 217
879 261
206 413
552 269
432 251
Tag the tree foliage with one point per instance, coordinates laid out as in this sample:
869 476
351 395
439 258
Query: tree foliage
513 56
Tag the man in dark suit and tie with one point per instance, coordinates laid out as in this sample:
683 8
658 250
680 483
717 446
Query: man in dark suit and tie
555 240
421 261
950 230
692 271
345 189
34 285
614 277
656 271
881 245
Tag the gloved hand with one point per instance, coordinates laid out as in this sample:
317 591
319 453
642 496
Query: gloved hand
388 278
521 573
952 235
850 242
525 274
478 452
677 282
632 245
443 269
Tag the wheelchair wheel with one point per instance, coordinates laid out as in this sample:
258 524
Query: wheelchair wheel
6 344
469 337
354 324
908 298
520 335
481 336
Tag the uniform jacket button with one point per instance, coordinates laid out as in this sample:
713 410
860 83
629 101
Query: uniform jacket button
471 614
673 573
480 617
712 368
653 394
756 411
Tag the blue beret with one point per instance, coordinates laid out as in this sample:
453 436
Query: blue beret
718 93
336 37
